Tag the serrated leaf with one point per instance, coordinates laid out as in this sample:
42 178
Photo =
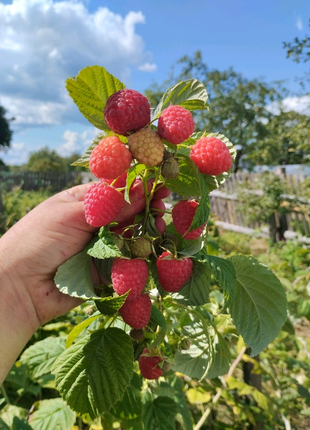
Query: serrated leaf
196 291
90 90
3 425
244 389
40 357
259 308
19 424
160 414
158 318
9 412
224 272
186 184
74 277
130 406
110 305
103 246
78 329
187 421
190 94
203 209
133 172
93 374
195 361
221 358
52 414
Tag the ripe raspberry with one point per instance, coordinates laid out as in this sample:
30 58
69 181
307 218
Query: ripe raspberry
102 204
211 156
141 247
173 273
170 168
129 275
149 365
175 124
126 111
182 216
119 183
110 158
161 192
147 147
137 313
157 207
160 224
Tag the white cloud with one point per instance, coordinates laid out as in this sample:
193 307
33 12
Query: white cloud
18 154
297 104
299 24
148 67
42 42
75 142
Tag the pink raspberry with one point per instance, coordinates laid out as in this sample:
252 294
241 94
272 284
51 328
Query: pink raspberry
137 313
160 224
173 273
102 204
149 365
161 192
127 111
182 216
175 124
147 147
129 275
157 208
211 156
110 158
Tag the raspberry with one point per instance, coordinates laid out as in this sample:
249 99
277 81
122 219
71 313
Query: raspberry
182 216
102 204
126 111
170 168
141 247
119 183
173 273
157 207
129 275
149 365
161 192
211 156
147 147
160 224
175 124
137 313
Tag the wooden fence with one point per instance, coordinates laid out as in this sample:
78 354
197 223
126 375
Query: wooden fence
292 222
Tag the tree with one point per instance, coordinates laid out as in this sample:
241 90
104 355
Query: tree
5 131
299 49
46 160
239 107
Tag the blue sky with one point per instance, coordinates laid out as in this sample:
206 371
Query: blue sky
42 42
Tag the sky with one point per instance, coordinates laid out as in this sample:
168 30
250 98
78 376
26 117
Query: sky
43 42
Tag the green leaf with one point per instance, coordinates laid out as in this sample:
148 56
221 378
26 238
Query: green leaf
196 290
80 328
9 412
244 389
259 308
182 404
158 318
3 425
40 357
203 208
221 359
19 424
190 94
160 414
130 406
103 246
74 277
52 414
110 305
133 172
187 183
90 90
224 272
93 374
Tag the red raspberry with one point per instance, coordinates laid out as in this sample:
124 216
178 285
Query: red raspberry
119 183
173 273
137 313
175 124
147 147
211 156
157 207
102 204
126 111
129 275
161 192
160 224
182 216
149 365
110 158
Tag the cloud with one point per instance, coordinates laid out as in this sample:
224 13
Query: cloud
298 104
75 142
17 154
148 67
42 42
299 24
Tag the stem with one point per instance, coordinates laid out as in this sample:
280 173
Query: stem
220 391
148 197
5 395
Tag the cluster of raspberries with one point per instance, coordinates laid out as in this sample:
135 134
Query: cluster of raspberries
127 113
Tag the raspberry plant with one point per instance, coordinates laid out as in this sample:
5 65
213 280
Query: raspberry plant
176 299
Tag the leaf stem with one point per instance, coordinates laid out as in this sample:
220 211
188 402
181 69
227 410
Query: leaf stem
5 394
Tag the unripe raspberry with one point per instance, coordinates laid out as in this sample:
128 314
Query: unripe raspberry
129 275
170 168
173 273
102 204
149 364
127 111
211 156
146 147
110 158
137 334
182 216
137 313
175 124
141 247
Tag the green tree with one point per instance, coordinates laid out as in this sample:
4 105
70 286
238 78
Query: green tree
46 160
5 131
299 49
238 106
